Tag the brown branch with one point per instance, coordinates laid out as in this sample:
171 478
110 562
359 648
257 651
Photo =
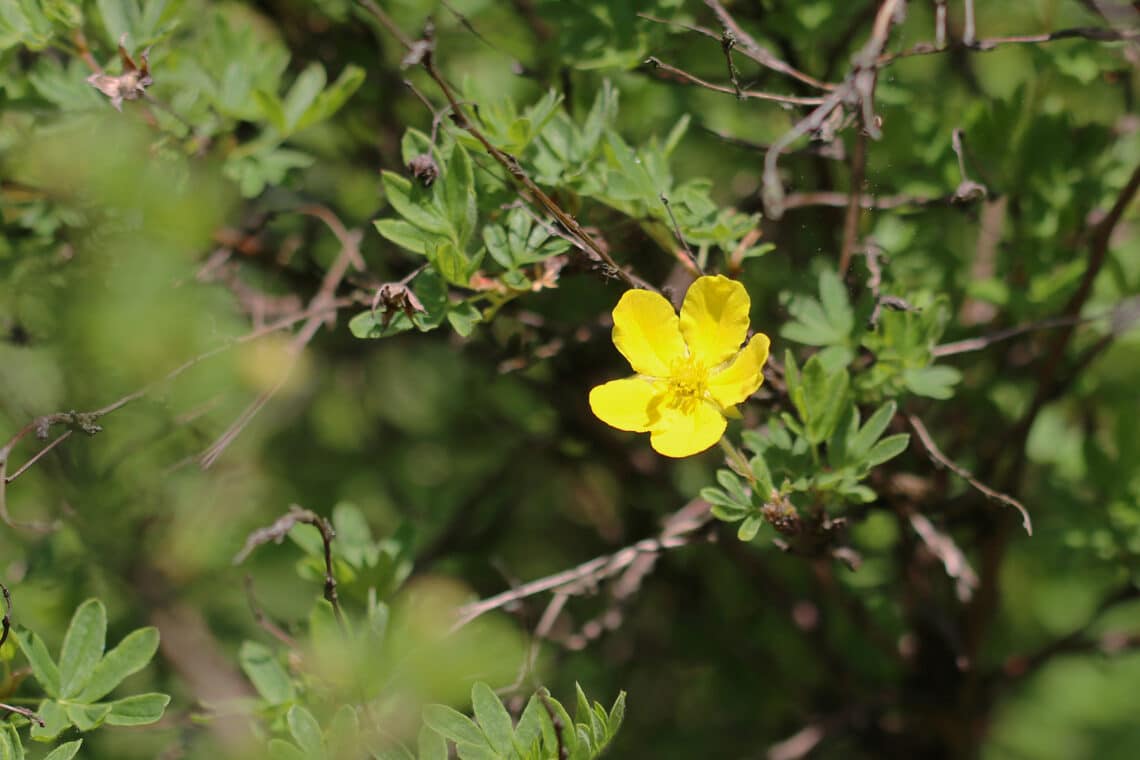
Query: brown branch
588 575
6 621
851 218
1096 34
941 459
754 50
687 78
276 533
29 714
942 546
866 202
857 89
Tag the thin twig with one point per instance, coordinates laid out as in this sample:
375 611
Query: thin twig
748 45
29 714
942 546
586 576
688 260
263 620
688 78
851 218
1096 34
276 533
941 459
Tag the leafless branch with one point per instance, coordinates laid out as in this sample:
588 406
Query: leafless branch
30 715
941 459
688 78
588 575
942 546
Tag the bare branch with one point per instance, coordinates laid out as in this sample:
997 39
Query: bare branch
942 546
688 78
941 459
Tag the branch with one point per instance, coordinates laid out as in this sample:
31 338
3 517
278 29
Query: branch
276 533
688 78
1096 34
942 546
588 575
941 459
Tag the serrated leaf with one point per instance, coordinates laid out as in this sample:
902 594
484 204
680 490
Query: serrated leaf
139 710
306 731
266 674
492 718
82 647
43 666
453 725
130 656
65 751
888 448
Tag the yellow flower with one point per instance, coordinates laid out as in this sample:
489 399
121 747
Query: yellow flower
691 371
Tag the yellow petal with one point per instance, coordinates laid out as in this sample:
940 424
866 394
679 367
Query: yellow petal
678 434
714 318
625 404
645 331
743 376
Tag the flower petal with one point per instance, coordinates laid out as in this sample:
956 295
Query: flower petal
645 331
678 434
743 376
626 404
714 318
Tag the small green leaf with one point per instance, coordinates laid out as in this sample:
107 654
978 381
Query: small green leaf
82 646
301 95
405 235
415 204
450 262
874 427
458 195
833 297
306 731
453 725
87 717
334 97
493 718
43 666
888 448
431 745
279 749
272 109
11 748
139 710
617 715
65 751
55 721
749 528
463 318
130 656
820 399
266 673
933 382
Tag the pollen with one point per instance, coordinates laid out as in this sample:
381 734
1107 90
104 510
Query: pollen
687 384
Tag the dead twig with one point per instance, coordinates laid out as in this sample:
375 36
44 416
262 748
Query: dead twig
942 546
687 78
941 459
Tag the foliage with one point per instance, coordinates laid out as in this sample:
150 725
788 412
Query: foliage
345 273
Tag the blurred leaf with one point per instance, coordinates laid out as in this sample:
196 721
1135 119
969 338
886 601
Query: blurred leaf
266 673
139 710
82 647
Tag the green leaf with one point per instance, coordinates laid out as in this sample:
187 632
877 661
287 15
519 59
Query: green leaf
139 710
55 721
119 17
65 751
458 195
749 528
617 715
306 731
130 656
11 747
414 203
405 235
828 321
334 97
279 749
463 318
266 673
450 262
431 746
43 666
888 448
87 717
301 95
453 725
272 109
933 382
833 297
820 399
874 427
82 647
493 718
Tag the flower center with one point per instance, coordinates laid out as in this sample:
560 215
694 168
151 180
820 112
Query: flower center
687 384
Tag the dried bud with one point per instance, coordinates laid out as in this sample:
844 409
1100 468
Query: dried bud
424 168
131 84
392 297
781 514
